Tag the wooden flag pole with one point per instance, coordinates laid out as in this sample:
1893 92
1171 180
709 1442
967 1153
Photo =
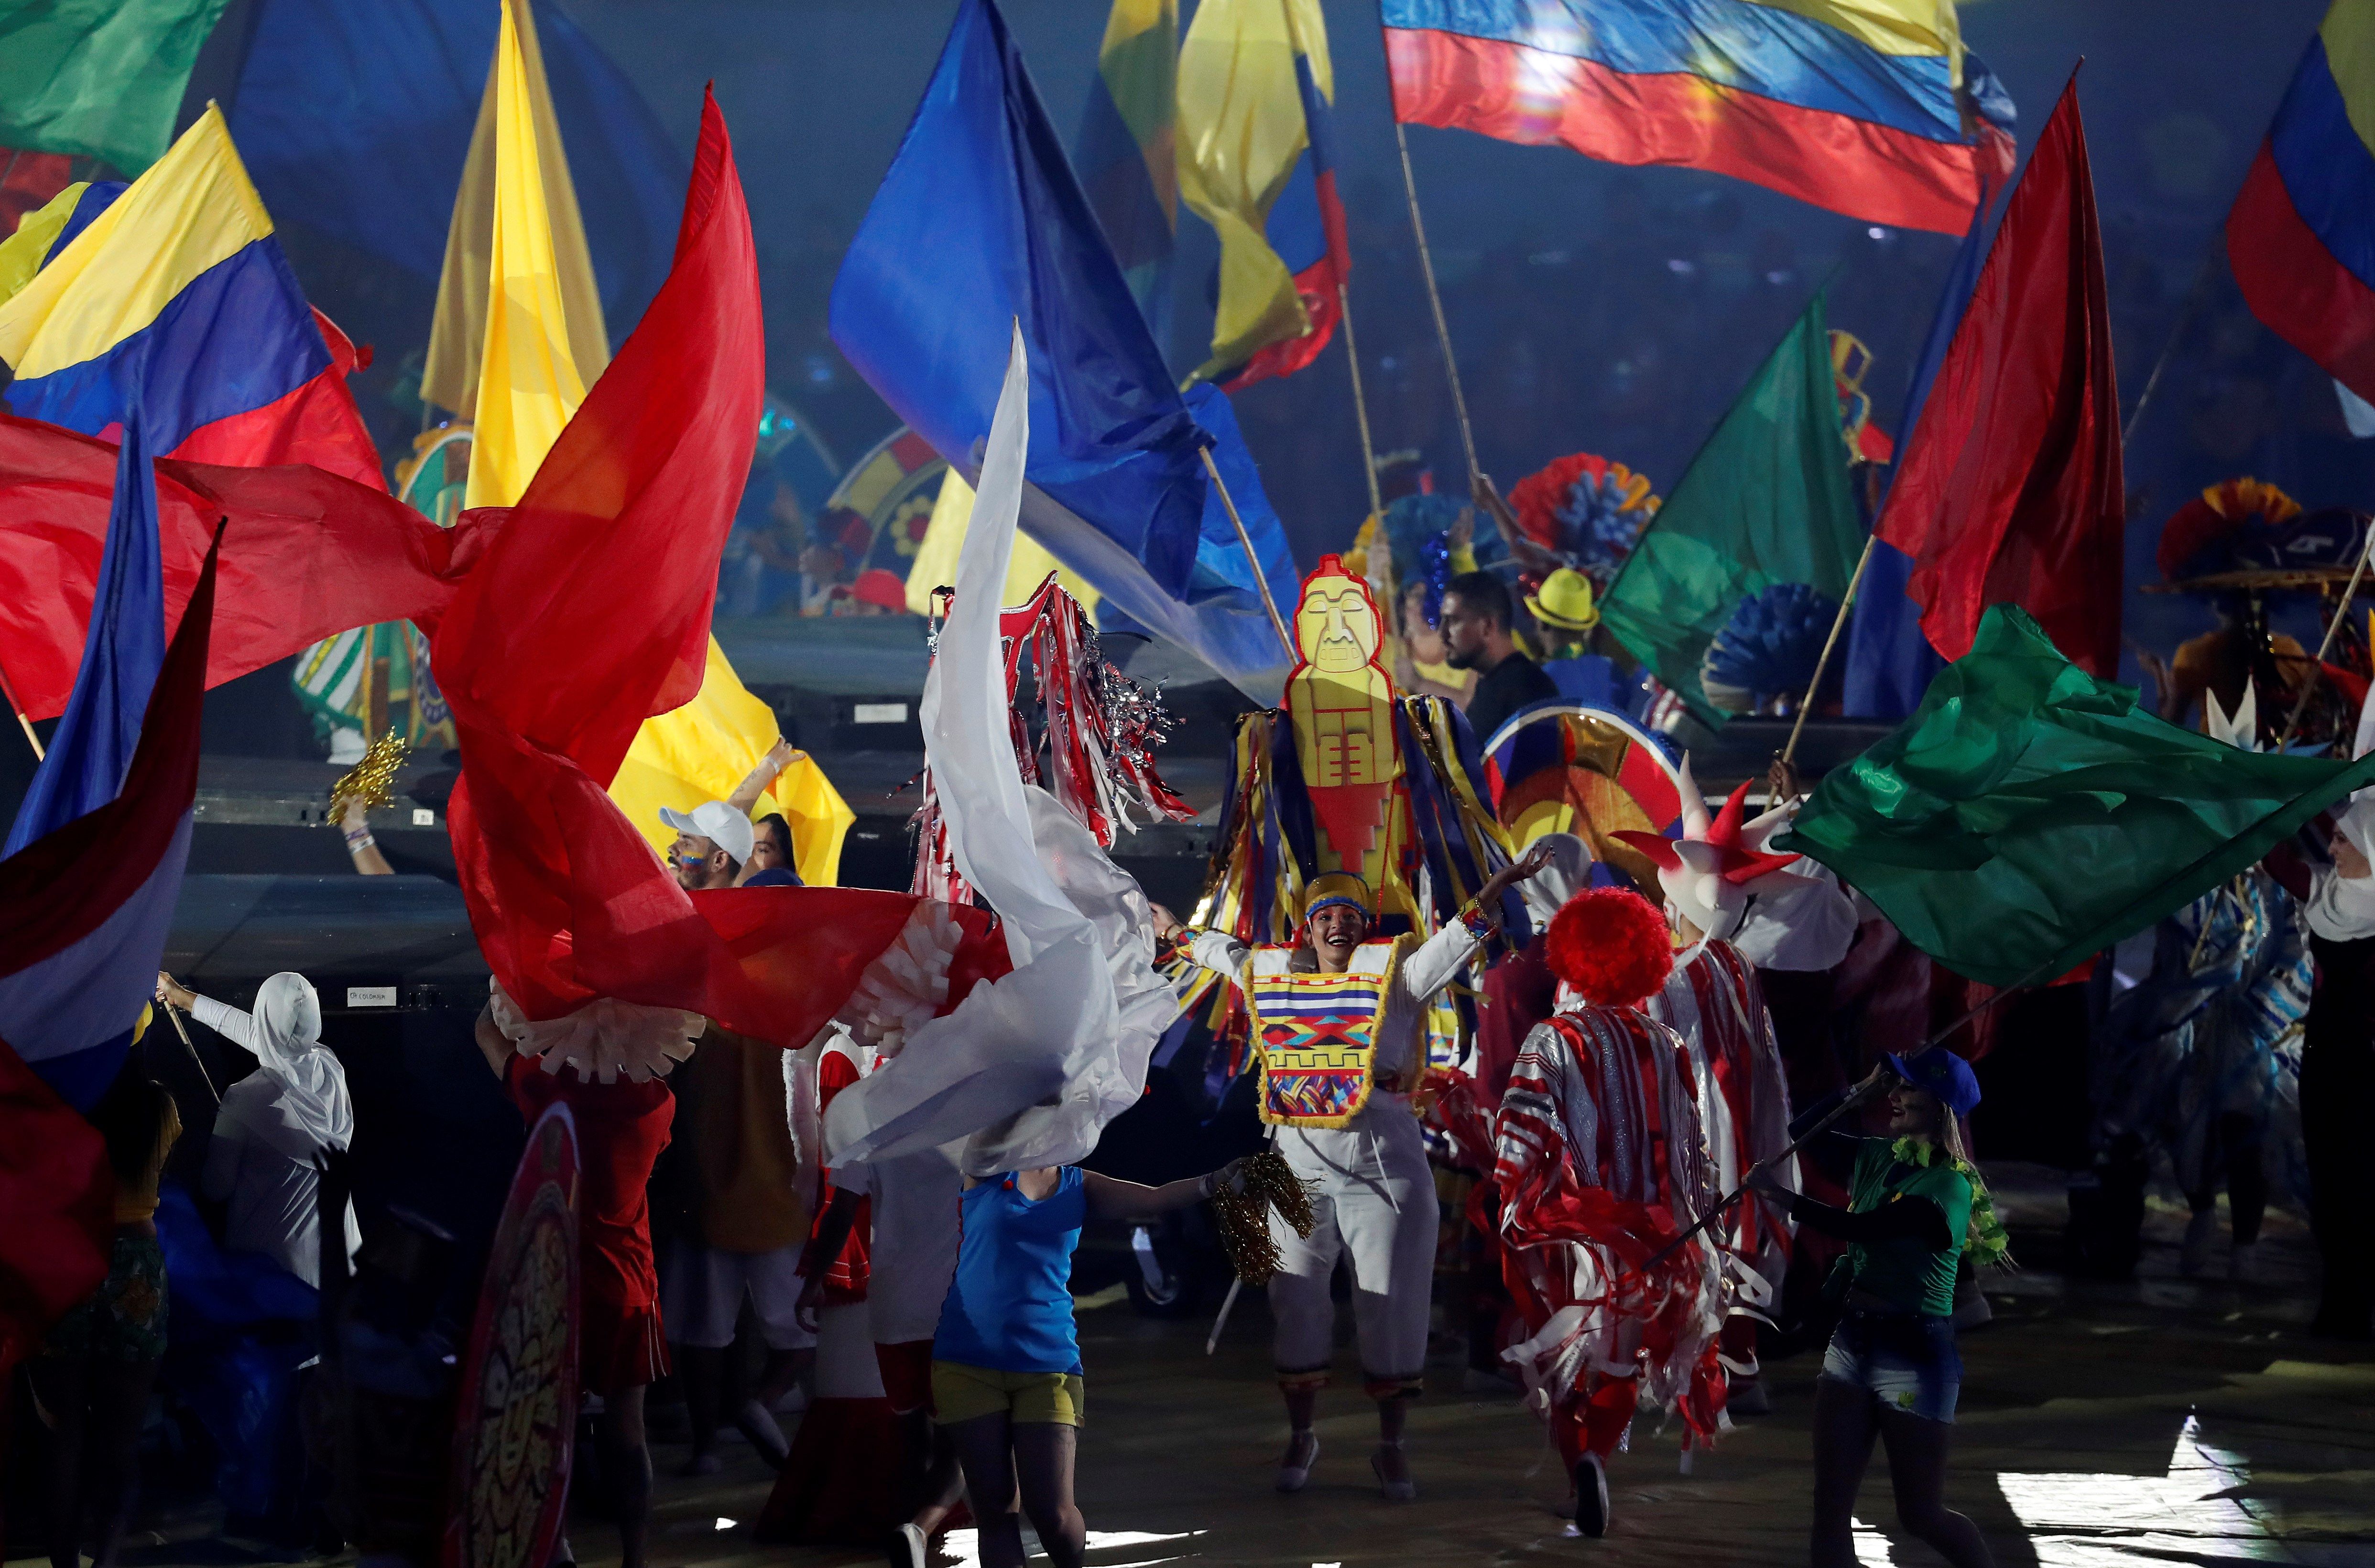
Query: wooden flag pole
1261 581
1360 405
1823 663
1434 301
26 725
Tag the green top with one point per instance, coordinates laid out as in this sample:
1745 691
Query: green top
1903 1271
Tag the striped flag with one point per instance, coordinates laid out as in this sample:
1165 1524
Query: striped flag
2301 237
1258 162
170 296
1871 108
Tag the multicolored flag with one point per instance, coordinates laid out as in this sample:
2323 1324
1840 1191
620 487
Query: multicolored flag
1871 108
2301 237
1256 162
84 911
2010 488
2029 814
1129 151
85 906
122 651
100 77
170 296
1887 661
1765 503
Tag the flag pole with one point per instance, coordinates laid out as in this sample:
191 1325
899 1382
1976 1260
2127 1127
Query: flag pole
1261 581
1824 663
2195 298
2317 666
1434 301
26 725
189 1045
1360 404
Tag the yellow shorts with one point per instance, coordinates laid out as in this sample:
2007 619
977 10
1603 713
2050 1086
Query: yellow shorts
961 1392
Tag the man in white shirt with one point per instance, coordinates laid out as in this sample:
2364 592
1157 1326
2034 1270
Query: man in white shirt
1337 1020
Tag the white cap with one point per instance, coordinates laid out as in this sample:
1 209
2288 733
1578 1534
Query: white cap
717 821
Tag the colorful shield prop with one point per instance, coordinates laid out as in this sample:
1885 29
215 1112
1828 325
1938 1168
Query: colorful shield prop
515 1416
1570 768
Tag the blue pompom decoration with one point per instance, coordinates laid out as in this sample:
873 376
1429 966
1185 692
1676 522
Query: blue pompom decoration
1434 570
1595 531
1772 642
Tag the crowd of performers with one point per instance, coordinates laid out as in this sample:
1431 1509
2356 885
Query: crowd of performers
1551 1006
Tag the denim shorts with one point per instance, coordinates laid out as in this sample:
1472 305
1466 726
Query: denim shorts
1907 1362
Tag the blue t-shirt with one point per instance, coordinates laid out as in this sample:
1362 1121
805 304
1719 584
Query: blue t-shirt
1010 1307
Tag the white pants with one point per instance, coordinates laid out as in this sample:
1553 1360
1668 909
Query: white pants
1373 1201
701 1291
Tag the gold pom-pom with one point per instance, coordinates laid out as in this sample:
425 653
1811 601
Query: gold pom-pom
371 781
1268 1182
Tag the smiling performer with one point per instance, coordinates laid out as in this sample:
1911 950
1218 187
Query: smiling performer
1337 1019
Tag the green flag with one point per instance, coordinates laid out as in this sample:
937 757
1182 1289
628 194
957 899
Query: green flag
101 78
1765 501
2028 815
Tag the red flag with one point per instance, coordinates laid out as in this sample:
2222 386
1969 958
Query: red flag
2010 489
589 614
308 554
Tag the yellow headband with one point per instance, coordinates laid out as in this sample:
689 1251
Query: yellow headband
1338 887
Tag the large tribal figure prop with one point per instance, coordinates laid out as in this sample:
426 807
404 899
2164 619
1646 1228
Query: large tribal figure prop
1348 777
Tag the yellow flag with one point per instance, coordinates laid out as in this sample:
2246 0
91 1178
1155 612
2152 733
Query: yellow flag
529 381
935 558
458 331
701 750
1241 128
21 254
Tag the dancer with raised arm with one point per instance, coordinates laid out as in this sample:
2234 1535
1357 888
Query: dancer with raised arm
1337 1017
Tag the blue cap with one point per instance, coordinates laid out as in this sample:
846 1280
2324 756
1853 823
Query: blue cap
1941 1072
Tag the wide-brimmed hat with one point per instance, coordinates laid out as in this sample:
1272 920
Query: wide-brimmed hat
1563 602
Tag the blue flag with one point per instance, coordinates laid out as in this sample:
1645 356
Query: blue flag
121 655
1889 660
980 225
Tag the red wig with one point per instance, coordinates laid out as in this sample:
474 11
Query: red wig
1611 945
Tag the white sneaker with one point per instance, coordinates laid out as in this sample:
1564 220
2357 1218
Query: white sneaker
2200 1231
910 1539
